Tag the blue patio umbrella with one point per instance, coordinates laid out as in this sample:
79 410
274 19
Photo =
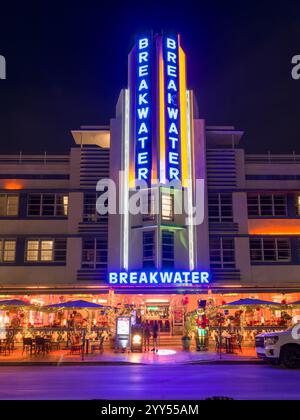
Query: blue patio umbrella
14 302
251 302
76 304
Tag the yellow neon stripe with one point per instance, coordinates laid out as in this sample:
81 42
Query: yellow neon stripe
191 95
162 132
183 116
131 131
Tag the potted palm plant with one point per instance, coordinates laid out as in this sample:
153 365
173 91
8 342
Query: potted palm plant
189 328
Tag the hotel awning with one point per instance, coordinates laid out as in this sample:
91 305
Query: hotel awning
250 302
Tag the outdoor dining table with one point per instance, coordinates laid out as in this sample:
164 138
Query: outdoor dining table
3 341
229 343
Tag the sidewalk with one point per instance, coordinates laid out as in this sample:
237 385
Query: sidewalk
164 356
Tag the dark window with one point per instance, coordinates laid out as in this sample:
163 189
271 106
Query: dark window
47 205
7 250
222 252
267 205
220 207
149 249
60 250
46 250
90 213
167 249
167 206
270 249
149 205
297 202
9 205
94 253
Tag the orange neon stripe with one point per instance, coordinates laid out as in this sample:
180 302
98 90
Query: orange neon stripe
13 185
183 115
274 227
162 123
131 129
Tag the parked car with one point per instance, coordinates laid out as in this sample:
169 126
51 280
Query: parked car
280 347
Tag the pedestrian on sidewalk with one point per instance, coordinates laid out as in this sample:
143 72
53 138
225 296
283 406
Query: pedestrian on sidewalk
147 335
155 332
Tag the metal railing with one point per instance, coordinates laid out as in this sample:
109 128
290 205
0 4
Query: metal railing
270 158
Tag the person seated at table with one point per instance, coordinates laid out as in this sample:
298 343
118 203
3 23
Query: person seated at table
226 334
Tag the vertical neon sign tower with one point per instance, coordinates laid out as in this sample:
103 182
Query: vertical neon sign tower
158 98
158 135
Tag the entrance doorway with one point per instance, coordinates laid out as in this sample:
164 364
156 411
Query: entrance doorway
160 312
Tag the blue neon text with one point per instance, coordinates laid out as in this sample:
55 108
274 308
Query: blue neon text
143 159
159 278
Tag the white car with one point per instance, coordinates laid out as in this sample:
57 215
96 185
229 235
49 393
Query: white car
280 347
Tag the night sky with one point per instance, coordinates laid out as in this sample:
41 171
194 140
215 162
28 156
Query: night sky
67 62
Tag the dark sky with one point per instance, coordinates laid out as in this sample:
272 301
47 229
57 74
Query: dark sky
67 62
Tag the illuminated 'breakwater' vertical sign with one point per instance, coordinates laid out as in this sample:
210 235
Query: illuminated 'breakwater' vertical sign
143 135
172 100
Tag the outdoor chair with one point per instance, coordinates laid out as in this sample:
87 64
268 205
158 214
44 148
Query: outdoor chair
41 345
76 345
4 347
28 345
55 345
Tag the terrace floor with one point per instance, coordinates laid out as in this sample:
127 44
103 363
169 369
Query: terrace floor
164 356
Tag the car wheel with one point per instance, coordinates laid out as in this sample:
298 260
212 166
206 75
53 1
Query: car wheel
291 357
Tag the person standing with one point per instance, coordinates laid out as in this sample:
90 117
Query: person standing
147 335
155 332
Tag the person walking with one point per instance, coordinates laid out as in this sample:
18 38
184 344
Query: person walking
155 332
147 335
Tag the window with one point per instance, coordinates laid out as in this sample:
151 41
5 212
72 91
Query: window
167 206
9 205
270 249
7 250
46 250
149 205
90 214
149 249
167 246
222 252
267 205
47 205
298 204
94 253
220 207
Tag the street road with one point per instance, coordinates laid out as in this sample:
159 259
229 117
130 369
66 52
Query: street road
152 381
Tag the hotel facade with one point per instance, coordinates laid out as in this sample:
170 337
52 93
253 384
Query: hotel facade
55 246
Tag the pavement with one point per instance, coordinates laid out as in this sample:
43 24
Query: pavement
141 382
165 356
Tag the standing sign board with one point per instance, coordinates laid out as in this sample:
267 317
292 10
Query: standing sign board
123 328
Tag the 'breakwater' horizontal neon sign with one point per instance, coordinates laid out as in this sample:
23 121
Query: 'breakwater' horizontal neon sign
172 99
144 278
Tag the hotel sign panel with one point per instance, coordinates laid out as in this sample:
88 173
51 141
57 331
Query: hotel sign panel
156 93
172 107
159 278
143 111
